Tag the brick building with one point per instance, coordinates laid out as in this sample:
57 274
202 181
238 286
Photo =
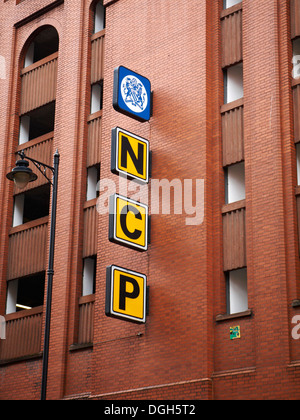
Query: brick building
222 266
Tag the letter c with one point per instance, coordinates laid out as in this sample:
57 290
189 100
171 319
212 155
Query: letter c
123 219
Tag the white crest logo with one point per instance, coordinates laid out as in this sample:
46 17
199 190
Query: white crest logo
134 94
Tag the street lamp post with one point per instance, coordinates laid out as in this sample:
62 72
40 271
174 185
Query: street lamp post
21 175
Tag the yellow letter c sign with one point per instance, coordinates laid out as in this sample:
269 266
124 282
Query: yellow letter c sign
128 222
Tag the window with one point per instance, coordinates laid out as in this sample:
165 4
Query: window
233 83
296 58
230 3
44 44
99 17
96 97
18 209
89 275
25 293
2 67
24 129
37 123
93 176
298 162
237 293
31 205
36 203
235 182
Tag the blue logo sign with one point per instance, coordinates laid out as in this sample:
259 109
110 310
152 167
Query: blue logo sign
132 94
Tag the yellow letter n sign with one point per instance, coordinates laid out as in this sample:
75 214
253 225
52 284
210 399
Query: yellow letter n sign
130 155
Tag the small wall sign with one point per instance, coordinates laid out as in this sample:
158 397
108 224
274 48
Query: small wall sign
130 155
132 94
235 332
128 222
126 294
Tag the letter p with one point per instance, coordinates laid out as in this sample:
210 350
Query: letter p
124 293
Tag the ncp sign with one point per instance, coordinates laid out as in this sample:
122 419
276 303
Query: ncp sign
126 294
126 290
128 222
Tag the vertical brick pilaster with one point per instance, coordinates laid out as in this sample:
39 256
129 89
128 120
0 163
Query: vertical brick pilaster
265 174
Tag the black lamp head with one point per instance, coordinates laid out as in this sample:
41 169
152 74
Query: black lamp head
21 174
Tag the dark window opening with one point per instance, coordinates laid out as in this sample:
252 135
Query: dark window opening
36 203
25 293
44 44
41 120
30 291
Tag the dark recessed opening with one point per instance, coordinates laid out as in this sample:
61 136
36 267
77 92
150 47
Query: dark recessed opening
30 291
44 44
36 203
42 120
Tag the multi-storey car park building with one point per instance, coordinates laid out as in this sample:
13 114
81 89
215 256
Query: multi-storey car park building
221 262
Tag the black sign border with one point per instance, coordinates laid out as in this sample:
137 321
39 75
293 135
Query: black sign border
116 97
112 225
108 307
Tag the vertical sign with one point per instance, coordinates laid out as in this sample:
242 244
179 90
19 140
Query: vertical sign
126 293
126 290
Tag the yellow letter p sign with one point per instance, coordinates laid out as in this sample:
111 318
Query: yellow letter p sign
125 294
